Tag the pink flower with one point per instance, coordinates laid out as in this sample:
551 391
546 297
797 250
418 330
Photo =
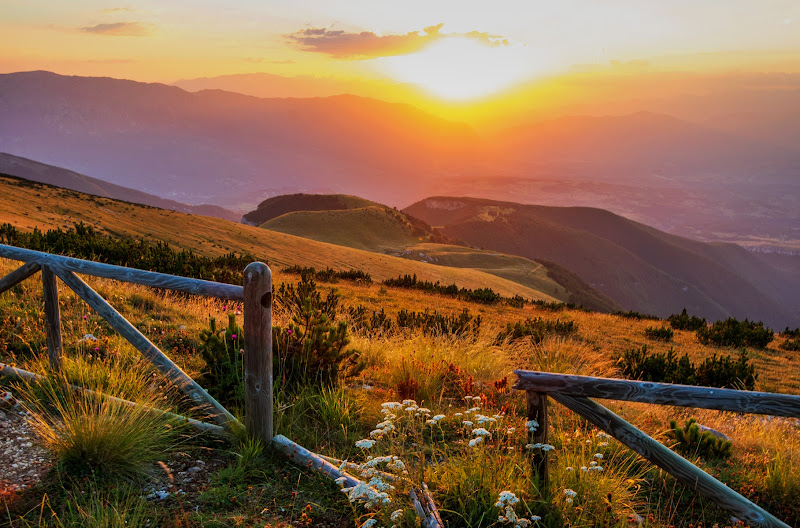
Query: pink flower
233 336
84 317
97 349
289 331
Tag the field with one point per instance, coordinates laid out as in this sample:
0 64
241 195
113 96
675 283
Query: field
179 478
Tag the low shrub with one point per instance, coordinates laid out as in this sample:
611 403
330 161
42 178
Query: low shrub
791 333
481 295
659 333
331 275
636 315
691 440
792 345
536 329
734 333
669 368
310 350
682 321
221 349
435 323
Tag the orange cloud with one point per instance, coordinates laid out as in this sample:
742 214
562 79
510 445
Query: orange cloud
368 45
120 29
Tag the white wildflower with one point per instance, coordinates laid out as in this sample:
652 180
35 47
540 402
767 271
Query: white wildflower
598 455
369 523
475 441
467 423
570 493
410 402
376 433
438 417
532 425
480 431
543 447
365 443
396 515
458 414
510 431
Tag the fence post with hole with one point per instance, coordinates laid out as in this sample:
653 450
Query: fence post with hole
258 351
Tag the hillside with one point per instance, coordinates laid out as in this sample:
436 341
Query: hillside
61 208
637 266
289 203
381 229
41 172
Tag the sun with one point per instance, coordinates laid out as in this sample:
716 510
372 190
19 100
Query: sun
460 68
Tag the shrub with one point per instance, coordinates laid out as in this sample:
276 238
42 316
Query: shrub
221 350
668 368
656 333
481 295
331 275
734 333
636 315
792 345
82 241
726 372
536 329
311 348
791 333
690 440
682 321
434 323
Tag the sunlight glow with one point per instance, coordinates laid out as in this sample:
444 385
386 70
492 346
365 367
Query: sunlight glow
460 68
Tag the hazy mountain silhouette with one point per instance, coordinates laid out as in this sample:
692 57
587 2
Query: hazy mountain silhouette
40 172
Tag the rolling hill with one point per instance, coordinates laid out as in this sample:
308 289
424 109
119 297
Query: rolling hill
28 205
361 224
40 172
637 266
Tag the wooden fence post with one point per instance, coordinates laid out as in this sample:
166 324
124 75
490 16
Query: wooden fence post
258 351
537 410
52 318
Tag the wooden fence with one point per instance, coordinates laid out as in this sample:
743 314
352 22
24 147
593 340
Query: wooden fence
574 392
255 293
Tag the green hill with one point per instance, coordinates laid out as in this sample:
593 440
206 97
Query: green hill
289 203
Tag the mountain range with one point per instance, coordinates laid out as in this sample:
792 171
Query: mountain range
702 179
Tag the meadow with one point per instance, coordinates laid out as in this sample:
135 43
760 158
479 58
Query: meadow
160 473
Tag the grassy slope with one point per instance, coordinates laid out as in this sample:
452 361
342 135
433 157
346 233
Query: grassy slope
55 207
640 267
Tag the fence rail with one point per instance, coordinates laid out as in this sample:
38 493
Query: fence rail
255 293
574 392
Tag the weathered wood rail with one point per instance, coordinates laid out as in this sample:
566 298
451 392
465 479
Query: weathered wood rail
574 392
255 293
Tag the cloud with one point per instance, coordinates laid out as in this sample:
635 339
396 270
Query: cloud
120 29
368 45
117 10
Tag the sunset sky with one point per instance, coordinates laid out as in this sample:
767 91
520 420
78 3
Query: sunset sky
454 51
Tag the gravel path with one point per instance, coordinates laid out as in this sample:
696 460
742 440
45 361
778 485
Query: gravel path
22 460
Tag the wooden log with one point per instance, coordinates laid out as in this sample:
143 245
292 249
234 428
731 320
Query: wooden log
306 458
165 365
258 351
425 507
12 372
121 273
18 275
660 393
674 464
537 410
52 318
354 467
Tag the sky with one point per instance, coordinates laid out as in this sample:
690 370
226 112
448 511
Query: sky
452 50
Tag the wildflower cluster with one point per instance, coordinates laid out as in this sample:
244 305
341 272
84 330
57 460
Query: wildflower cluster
506 501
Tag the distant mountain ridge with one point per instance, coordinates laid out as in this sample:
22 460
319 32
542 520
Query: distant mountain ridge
43 173
641 268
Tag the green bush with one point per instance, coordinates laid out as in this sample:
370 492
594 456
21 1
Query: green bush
331 275
659 333
221 349
792 345
434 323
630 314
310 350
690 440
536 329
734 333
669 368
84 242
481 295
682 321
